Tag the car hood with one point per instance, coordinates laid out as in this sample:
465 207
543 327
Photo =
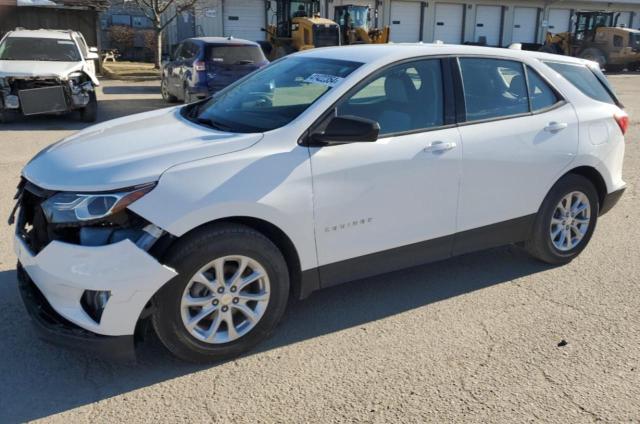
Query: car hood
36 68
129 151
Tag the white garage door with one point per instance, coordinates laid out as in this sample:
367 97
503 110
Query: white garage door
488 20
623 19
405 21
449 21
559 20
525 21
244 19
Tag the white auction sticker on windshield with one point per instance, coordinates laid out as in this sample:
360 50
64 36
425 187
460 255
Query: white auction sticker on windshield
323 79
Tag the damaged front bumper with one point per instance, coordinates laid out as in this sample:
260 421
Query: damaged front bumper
78 286
35 96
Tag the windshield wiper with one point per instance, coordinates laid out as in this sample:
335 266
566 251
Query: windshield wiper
244 62
216 125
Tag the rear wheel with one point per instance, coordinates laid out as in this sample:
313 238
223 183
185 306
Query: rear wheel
166 95
565 222
231 291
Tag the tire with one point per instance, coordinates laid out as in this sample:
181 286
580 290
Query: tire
89 113
164 90
187 96
594 55
541 244
8 116
615 68
188 257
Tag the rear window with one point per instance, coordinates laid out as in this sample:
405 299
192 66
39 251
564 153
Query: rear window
234 55
586 80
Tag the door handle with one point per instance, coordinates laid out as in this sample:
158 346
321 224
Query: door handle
554 127
440 146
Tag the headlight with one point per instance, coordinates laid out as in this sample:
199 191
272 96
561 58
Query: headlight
67 207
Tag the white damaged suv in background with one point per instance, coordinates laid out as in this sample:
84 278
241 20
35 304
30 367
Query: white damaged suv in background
327 166
47 71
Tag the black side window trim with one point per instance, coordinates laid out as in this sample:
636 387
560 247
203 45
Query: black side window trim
461 114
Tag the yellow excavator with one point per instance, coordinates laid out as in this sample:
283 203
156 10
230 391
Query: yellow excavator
596 36
298 26
355 25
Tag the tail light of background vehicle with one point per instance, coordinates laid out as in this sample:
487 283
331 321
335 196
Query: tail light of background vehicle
623 121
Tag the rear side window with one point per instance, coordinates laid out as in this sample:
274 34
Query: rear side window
585 80
234 55
493 88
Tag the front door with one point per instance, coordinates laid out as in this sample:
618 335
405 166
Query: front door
389 204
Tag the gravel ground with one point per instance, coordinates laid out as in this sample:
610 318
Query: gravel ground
475 338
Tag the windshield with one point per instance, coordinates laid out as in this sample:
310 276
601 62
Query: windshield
272 97
46 49
234 55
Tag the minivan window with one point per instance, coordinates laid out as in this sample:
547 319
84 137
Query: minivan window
271 97
584 80
493 88
406 97
234 55
541 94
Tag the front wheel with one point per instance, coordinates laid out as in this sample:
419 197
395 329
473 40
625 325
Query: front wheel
565 222
89 113
231 291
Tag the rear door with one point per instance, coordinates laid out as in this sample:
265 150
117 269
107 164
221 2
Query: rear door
516 140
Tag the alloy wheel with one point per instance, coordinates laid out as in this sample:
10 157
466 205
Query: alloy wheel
570 221
225 299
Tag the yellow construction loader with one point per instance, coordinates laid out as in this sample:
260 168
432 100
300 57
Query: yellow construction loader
355 25
298 26
596 36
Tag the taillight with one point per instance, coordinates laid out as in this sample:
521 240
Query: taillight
199 66
623 121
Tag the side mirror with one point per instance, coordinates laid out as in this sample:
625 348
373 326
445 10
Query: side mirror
347 129
93 49
92 56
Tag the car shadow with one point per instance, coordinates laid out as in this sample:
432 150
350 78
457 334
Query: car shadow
39 380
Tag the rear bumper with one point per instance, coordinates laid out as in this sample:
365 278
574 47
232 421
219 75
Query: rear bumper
55 329
610 200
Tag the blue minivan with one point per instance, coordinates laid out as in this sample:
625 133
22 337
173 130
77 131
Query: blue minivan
199 67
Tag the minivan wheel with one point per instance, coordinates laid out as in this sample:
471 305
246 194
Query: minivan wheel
230 293
565 222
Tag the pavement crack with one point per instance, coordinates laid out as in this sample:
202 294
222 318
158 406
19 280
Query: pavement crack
568 397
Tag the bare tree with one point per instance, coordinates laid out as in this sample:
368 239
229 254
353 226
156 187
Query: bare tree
155 10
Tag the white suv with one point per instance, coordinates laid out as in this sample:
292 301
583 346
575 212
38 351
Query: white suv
47 72
326 166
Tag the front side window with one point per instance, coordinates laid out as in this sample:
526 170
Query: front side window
273 96
406 97
39 49
493 88
584 79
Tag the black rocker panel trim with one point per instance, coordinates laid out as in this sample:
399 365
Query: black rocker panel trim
494 235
